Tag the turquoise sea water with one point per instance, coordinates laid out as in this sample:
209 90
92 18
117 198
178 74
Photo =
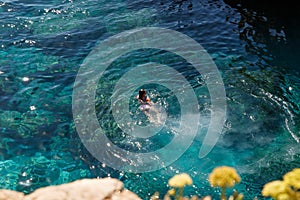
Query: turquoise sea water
43 44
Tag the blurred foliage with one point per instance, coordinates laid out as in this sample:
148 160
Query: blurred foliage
226 177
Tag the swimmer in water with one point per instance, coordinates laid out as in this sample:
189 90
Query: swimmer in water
144 100
148 107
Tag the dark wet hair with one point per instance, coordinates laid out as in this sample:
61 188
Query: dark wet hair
142 92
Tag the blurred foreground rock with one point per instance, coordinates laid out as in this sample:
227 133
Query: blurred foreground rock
11 195
85 189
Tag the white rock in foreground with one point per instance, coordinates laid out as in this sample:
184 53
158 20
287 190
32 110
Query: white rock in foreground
85 189
11 195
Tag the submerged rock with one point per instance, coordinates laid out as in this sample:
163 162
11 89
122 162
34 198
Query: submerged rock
92 189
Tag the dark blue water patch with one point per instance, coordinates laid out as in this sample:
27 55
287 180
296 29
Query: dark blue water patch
15 21
196 19
73 28
266 35
73 43
275 28
32 25
128 61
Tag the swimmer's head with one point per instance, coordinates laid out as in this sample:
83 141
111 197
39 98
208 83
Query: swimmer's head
142 93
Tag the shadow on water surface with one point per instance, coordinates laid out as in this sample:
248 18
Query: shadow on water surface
274 25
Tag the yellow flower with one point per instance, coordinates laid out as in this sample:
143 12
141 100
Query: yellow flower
292 178
180 180
276 190
224 177
284 196
172 192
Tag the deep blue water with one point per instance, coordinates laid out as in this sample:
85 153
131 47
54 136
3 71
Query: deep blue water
43 44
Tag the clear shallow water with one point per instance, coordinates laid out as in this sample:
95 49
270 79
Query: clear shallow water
43 45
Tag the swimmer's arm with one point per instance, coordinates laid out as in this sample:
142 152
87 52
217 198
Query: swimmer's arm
137 97
139 100
149 101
